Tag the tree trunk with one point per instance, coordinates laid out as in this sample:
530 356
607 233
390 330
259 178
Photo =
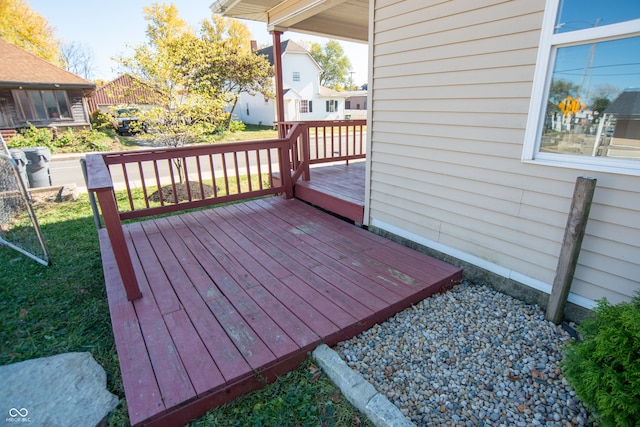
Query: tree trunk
233 107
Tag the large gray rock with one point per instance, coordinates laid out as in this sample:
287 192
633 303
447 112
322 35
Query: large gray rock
64 390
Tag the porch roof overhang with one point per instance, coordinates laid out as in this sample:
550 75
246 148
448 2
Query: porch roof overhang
341 19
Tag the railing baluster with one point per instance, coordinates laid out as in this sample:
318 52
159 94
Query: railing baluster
235 163
213 176
186 178
173 181
126 183
158 185
246 160
199 169
225 174
259 170
317 143
144 185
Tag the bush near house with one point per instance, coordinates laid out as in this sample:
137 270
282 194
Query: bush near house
68 141
604 368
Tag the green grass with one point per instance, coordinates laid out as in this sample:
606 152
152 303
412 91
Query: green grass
250 133
46 311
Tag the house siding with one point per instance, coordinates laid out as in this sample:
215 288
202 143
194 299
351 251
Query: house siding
450 96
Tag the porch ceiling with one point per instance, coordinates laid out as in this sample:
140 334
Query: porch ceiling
342 19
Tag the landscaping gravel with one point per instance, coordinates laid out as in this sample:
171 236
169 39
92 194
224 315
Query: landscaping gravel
470 356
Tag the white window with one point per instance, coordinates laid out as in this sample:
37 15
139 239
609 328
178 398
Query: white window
296 76
332 106
585 105
304 106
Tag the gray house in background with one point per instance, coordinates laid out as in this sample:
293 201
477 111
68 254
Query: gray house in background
626 109
355 106
33 91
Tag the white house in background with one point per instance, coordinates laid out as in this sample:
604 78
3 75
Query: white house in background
304 98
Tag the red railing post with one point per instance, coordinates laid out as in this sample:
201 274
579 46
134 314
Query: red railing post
306 154
99 181
285 169
112 223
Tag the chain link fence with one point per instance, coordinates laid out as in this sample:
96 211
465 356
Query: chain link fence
19 228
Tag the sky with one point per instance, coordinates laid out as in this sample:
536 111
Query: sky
111 28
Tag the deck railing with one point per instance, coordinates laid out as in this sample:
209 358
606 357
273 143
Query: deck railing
165 180
332 140
323 141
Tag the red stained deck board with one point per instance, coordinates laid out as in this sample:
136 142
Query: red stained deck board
237 324
358 267
271 333
261 233
135 367
302 266
174 382
236 279
229 360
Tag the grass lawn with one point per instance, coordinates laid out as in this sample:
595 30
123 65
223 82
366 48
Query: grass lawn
45 311
250 133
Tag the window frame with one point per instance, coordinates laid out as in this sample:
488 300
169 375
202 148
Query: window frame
548 45
332 106
295 76
304 106
41 110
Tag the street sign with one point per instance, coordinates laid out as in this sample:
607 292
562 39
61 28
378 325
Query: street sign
571 105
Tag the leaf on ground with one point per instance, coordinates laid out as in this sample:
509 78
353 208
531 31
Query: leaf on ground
335 396
315 377
355 421
537 374
313 368
23 313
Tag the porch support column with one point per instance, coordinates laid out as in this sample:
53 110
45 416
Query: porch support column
277 64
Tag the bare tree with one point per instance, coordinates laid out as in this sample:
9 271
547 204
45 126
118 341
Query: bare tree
78 59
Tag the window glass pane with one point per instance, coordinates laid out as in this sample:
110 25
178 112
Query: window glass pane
593 108
26 110
51 104
63 106
581 14
36 98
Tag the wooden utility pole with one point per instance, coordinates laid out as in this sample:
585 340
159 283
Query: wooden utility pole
571 244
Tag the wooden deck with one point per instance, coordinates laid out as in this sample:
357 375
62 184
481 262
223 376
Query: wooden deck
236 294
338 189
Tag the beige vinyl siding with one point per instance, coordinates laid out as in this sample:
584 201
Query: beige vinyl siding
450 97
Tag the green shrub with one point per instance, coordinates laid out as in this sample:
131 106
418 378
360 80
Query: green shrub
604 368
237 126
32 137
101 121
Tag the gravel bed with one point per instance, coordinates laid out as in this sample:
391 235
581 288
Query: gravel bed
469 357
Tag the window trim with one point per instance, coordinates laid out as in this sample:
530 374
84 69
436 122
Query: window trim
548 44
20 108
295 76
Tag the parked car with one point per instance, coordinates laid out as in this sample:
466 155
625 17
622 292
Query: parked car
128 122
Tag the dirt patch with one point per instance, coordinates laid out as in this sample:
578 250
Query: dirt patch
182 193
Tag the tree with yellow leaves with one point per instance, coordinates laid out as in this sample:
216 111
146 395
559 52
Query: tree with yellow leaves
25 28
